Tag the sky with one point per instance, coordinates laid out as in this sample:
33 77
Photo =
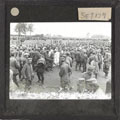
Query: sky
69 29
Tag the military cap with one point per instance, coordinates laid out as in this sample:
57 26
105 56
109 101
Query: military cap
90 68
41 60
26 54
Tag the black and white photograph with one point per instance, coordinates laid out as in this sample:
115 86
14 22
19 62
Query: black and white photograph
60 60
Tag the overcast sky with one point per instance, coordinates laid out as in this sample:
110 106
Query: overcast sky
69 29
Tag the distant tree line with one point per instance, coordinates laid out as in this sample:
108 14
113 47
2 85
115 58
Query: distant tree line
23 28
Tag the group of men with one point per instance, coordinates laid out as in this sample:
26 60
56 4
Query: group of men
27 60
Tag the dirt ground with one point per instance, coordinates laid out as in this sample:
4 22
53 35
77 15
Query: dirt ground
52 81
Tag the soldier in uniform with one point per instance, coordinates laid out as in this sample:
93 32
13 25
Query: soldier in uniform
83 60
106 65
23 61
64 74
68 59
20 63
14 66
35 56
100 60
77 59
88 75
40 68
95 66
51 60
28 73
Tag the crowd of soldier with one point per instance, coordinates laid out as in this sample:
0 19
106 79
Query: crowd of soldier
88 58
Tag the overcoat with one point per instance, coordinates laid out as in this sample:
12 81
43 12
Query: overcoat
14 65
65 71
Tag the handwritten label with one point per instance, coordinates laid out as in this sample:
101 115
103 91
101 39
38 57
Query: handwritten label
102 14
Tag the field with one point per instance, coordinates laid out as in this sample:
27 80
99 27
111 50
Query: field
52 82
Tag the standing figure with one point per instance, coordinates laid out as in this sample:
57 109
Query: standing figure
64 74
28 73
51 59
106 65
69 59
35 56
23 60
56 57
14 66
77 59
83 61
20 63
40 68
100 60
94 64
